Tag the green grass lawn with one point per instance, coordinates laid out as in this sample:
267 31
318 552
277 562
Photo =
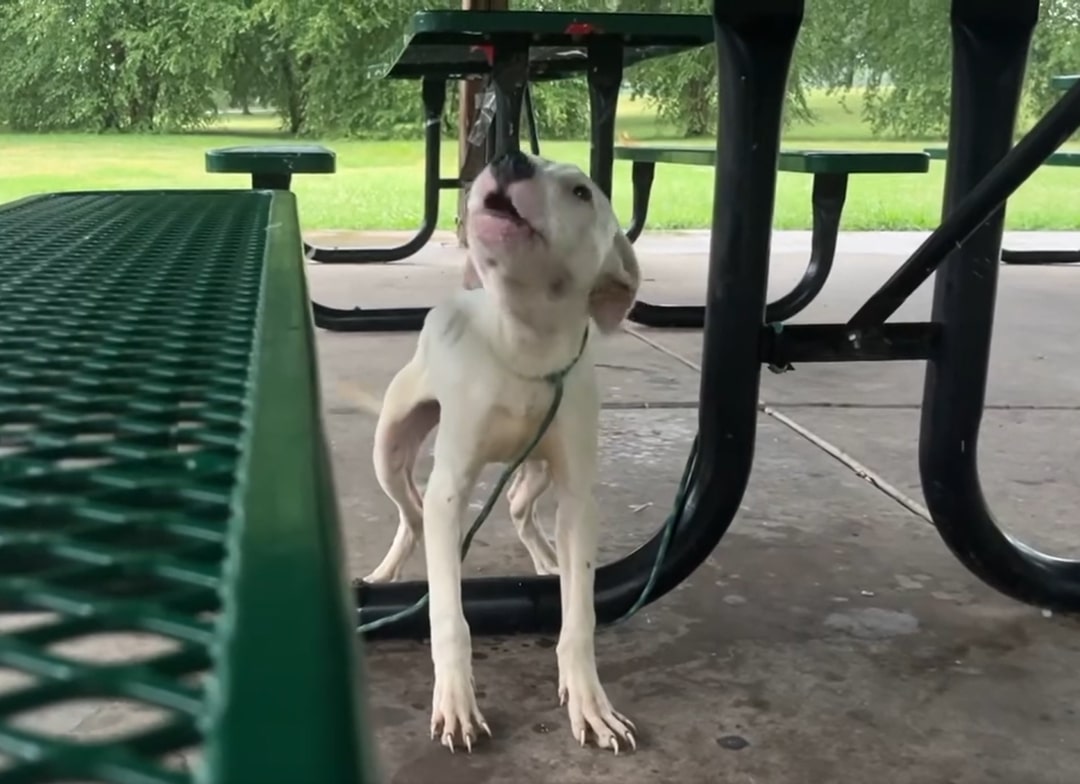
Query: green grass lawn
379 184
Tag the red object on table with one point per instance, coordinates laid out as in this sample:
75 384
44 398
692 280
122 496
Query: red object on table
581 28
487 49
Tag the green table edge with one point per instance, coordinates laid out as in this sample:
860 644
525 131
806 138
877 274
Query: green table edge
271 159
287 703
800 161
696 27
1065 81
1063 158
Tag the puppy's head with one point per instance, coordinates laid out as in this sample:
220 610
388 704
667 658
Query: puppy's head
543 239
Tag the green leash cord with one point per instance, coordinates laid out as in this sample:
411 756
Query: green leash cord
557 380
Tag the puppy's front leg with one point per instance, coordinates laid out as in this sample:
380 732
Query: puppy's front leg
579 684
454 713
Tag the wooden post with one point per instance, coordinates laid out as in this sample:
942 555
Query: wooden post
470 158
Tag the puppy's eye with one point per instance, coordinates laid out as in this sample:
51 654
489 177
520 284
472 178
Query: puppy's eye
583 192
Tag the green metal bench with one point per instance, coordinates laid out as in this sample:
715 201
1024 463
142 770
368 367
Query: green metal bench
830 169
272 166
1066 158
156 357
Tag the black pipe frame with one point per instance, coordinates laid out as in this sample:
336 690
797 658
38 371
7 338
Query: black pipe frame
754 51
989 37
433 94
827 201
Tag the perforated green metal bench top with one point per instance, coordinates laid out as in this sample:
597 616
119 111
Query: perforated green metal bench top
456 44
1059 158
163 471
805 161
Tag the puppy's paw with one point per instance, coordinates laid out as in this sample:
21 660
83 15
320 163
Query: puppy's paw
455 717
384 574
545 564
591 713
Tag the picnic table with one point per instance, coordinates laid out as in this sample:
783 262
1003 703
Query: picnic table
513 48
830 169
163 467
156 352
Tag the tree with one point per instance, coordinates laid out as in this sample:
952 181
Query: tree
110 64
683 88
904 51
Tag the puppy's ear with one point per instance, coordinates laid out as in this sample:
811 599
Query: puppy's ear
471 279
613 294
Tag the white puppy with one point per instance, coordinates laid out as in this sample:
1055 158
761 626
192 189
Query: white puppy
546 255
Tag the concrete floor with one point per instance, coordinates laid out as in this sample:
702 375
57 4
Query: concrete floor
831 638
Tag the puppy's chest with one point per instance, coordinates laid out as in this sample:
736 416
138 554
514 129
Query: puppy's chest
510 425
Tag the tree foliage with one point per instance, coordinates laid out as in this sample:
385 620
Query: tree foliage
139 65
111 64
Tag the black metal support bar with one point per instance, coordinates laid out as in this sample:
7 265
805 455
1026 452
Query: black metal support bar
983 201
434 96
510 73
273 181
530 115
829 194
839 343
989 37
368 319
754 46
642 174
1033 257
830 191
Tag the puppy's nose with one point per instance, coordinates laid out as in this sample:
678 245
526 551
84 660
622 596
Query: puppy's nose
512 167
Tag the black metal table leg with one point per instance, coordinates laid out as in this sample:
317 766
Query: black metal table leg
754 49
434 97
604 76
271 181
530 115
510 74
829 194
988 38
642 174
830 191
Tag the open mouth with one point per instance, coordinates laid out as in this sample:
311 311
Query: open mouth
499 204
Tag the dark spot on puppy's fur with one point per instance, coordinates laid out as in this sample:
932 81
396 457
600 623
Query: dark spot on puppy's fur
557 287
490 261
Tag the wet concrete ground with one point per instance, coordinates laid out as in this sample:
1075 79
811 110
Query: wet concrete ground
830 638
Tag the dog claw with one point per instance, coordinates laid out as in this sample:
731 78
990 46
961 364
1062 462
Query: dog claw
468 744
630 739
583 739
615 745
484 726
